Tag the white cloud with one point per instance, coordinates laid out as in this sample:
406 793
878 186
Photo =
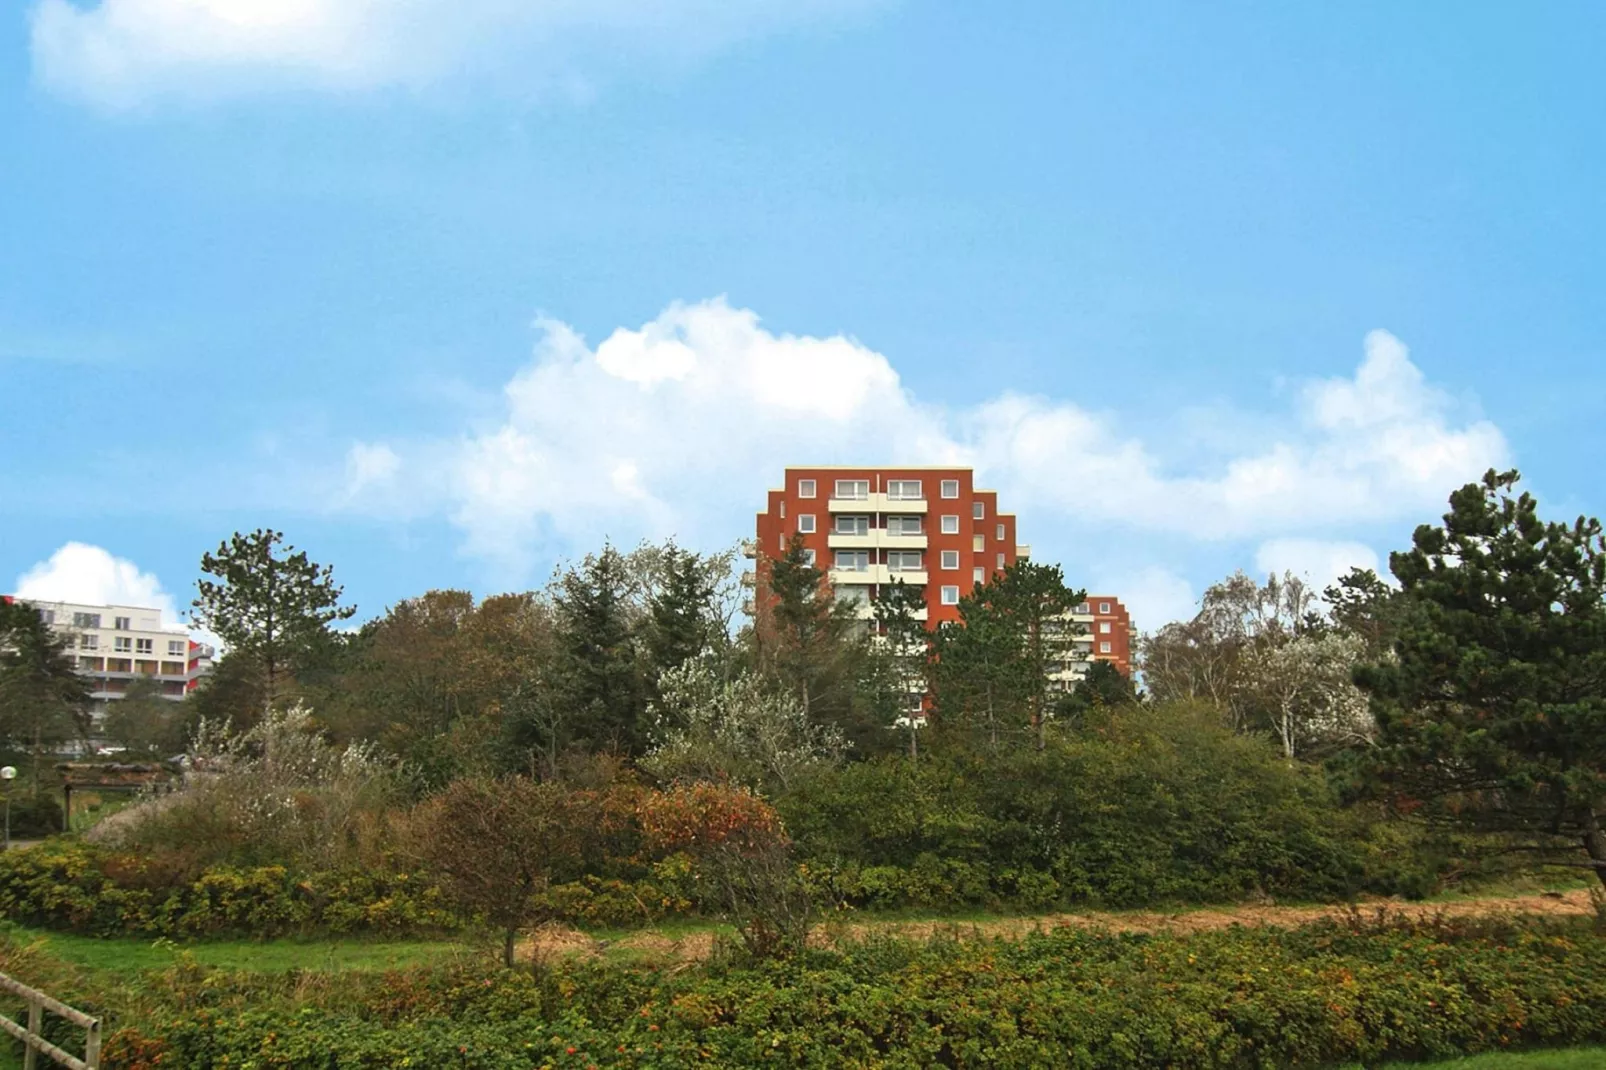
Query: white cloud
676 426
123 52
1316 561
370 466
1155 596
92 576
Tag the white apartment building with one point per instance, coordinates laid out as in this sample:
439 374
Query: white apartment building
111 646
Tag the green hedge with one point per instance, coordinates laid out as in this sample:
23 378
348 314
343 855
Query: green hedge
71 886
1240 998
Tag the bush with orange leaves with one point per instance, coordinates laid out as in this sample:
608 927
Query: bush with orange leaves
742 855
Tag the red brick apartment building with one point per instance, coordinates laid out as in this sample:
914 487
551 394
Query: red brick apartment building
867 527
931 527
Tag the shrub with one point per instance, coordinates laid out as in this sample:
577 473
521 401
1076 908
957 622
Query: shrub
78 887
1251 999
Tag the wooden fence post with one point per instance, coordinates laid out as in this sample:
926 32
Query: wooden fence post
36 1023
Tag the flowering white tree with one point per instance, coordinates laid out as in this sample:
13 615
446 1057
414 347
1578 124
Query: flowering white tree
707 727
1306 686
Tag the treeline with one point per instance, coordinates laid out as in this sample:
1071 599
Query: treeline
1379 738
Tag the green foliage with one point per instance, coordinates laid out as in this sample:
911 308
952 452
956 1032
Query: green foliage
1491 706
274 608
1142 805
42 698
994 666
1250 999
77 887
599 633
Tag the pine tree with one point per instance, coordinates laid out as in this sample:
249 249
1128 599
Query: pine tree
1491 708
598 620
274 608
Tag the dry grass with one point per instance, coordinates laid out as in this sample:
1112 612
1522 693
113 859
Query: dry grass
697 944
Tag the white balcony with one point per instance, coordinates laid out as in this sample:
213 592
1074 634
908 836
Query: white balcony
876 503
875 539
1024 553
866 611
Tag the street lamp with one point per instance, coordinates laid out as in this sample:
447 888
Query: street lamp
8 773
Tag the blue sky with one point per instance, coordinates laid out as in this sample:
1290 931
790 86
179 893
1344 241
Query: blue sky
449 295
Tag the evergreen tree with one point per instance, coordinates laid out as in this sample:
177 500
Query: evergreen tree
598 620
683 620
1491 708
43 700
807 639
272 607
997 667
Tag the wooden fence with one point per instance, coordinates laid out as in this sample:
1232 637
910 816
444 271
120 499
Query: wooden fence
34 1042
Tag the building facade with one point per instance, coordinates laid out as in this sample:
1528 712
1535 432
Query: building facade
111 646
1103 632
932 527
867 528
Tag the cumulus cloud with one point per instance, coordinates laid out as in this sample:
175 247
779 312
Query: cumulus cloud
93 576
672 427
122 52
1318 562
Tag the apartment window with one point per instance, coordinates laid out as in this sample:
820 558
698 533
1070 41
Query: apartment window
903 525
852 560
805 488
950 525
903 560
781 538
978 543
88 664
783 510
950 559
1000 560
950 488
1104 607
904 490
1000 530
172 668
978 511
808 558
86 620
1104 648
48 616
857 489
855 595
175 647
950 596
123 644
978 575
805 523
119 665
853 525
1084 608
1104 627
89 642
144 646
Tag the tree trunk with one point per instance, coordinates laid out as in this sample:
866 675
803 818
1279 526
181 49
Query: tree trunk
1595 842
508 939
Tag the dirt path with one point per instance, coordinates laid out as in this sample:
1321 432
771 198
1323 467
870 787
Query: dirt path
693 946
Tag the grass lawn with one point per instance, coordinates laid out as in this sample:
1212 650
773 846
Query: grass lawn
1567 1059
267 956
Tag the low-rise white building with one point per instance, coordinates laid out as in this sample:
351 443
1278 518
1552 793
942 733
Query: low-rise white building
111 646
